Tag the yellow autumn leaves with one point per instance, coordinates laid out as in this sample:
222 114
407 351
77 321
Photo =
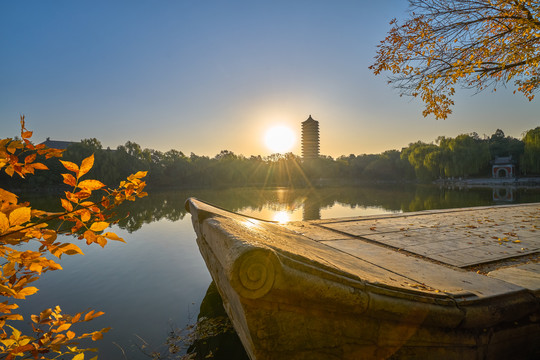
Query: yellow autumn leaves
16 217
477 44
83 216
87 216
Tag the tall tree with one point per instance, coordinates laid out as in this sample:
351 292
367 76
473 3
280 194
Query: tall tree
472 43
531 156
417 153
469 155
501 145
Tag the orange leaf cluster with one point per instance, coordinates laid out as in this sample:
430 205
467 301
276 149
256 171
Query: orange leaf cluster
88 218
20 223
18 156
52 334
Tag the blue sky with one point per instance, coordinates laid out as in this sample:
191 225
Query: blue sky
203 76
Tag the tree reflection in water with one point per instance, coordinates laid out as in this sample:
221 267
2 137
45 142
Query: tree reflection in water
211 337
390 197
215 337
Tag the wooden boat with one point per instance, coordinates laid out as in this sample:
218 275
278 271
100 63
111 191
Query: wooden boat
443 284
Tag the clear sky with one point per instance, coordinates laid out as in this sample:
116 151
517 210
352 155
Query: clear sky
204 76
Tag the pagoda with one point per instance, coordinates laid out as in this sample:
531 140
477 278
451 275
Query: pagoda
310 139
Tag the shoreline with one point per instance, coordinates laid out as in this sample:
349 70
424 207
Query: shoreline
518 182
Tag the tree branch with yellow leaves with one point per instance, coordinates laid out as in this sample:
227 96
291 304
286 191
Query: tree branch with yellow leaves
476 44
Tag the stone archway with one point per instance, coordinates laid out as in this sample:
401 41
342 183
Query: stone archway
502 173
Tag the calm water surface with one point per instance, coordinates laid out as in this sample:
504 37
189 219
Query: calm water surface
158 279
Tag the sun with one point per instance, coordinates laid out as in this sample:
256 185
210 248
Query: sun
279 139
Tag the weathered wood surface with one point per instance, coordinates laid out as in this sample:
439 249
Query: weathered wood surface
410 285
458 238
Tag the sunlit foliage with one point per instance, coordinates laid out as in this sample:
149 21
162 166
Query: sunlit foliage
20 224
531 156
472 43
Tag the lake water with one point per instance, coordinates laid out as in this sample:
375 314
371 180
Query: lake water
157 280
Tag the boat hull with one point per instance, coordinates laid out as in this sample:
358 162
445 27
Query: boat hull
288 305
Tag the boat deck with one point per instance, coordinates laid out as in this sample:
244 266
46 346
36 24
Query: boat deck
501 242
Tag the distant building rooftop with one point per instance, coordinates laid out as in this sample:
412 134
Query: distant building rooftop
499 160
58 144
309 119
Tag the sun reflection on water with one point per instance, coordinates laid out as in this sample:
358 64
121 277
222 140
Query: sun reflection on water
282 217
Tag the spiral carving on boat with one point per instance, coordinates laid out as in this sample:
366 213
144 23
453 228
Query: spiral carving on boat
256 274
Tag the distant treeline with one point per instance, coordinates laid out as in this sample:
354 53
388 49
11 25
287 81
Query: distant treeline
466 155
